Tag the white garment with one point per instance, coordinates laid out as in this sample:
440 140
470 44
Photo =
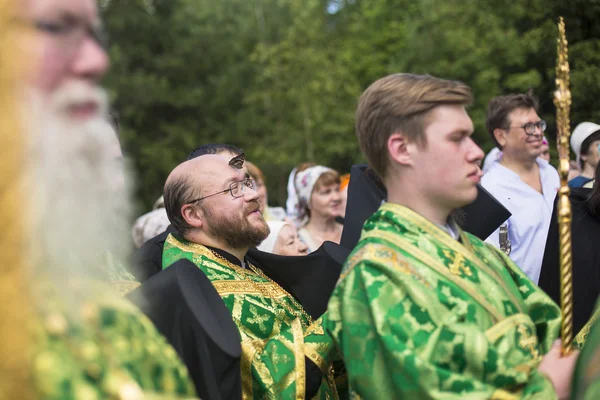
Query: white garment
149 225
307 240
269 243
531 213
494 155
291 204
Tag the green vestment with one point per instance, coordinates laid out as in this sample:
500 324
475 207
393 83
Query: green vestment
276 334
419 315
101 347
586 381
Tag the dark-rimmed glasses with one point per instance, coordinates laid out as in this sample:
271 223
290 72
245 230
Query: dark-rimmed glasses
237 189
529 127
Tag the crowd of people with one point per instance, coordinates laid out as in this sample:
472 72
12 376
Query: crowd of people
228 297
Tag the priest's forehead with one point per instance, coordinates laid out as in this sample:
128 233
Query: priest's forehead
84 10
214 172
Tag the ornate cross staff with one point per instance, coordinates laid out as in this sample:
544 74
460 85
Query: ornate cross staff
562 100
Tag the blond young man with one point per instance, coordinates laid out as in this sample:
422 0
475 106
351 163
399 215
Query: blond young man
423 309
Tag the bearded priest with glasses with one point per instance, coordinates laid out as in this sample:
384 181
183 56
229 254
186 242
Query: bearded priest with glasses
521 180
212 204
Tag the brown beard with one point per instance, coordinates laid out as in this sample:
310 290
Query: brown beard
237 232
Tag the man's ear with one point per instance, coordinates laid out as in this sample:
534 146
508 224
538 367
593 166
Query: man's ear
500 135
193 215
398 149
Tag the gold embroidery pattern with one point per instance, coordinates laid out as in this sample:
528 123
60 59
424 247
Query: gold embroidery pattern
311 352
225 288
315 328
501 328
275 300
581 337
528 341
258 319
299 353
458 248
458 264
385 256
272 291
436 265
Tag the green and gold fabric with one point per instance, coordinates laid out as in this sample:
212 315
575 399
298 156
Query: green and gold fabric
586 381
419 315
276 333
101 347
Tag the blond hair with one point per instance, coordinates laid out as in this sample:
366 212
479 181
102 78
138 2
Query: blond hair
401 103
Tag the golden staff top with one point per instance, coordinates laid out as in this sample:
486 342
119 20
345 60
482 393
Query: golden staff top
562 100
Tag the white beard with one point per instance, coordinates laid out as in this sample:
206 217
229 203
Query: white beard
77 210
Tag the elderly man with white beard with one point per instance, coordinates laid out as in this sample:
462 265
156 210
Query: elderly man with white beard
86 342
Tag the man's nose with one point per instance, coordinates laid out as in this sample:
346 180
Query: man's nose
91 61
475 153
250 194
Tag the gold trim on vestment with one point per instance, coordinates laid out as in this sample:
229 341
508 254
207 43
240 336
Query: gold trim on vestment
225 288
497 331
248 352
299 354
311 352
456 246
527 342
581 337
385 255
500 394
436 265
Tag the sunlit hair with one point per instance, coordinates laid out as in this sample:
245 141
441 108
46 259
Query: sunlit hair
401 103
326 179
79 209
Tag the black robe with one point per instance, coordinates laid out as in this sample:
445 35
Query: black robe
585 230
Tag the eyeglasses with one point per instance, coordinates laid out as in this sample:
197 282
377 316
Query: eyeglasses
530 127
237 189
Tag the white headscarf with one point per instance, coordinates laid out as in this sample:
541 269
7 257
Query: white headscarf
269 243
149 225
291 204
305 183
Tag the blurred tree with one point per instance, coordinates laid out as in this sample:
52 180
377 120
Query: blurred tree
281 78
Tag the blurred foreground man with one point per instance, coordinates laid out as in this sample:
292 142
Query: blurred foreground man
213 206
423 309
87 342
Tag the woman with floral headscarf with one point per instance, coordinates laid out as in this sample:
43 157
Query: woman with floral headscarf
320 203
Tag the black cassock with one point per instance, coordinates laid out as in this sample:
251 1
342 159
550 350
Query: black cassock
585 231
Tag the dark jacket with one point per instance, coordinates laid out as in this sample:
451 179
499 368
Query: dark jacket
585 230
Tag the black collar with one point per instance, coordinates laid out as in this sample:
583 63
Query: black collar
228 256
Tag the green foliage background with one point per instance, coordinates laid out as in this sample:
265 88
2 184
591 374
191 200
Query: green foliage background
280 78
